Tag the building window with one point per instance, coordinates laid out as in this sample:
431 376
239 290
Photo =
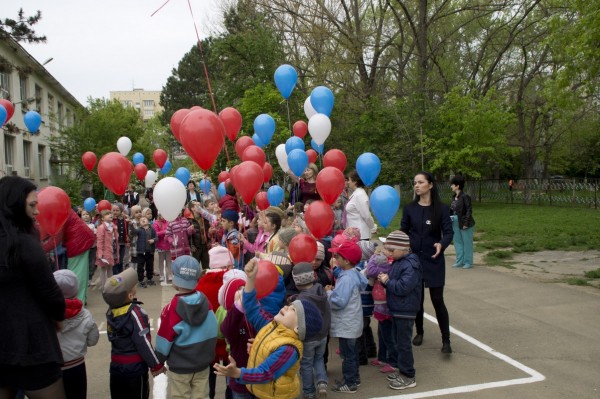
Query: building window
4 85
148 103
148 112
51 115
68 118
27 158
137 105
60 115
42 162
38 99
23 88
127 103
9 154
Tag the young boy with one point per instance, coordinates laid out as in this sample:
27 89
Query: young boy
146 239
272 370
403 287
346 311
313 356
231 237
128 331
188 333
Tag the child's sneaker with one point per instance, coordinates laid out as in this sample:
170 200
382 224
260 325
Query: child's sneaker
403 382
342 387
142 284
377 363
322 389
387 369
392 376
150 282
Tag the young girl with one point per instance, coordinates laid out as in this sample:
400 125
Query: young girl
262 237
134 223
178 232
272 226
147 213
164 249
85 216
106 247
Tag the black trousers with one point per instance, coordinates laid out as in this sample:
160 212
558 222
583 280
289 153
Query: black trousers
75 382
145 263
441 312
365 344
129 387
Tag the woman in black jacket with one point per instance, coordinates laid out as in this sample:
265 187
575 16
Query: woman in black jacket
427 222
462 223
31 304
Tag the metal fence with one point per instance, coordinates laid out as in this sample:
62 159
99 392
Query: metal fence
557 192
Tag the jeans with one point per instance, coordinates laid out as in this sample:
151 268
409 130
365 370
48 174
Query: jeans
463 243
312 365
402 330
349 361
118 267
387 343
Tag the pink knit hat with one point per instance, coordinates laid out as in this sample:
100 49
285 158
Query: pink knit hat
219 257
232 281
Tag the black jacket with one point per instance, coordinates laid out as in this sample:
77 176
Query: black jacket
462 208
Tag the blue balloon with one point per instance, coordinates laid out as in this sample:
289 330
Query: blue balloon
321 98
368 167
297 161
385 202
264 127
32 120
258 141
3 115
294 143
204 185
138 157
166 167
275 195
89 204
319 148
221 189
183 175
285 80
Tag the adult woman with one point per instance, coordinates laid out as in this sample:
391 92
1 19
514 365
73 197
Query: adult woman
357 213
308 184
31 304
462 223
192 194
427 222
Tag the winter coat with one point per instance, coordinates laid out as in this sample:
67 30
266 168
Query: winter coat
417 224
79 331
404 289
346 305
177 235
77 237
143 235
105 248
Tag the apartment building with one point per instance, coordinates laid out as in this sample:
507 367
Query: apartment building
146 102
29 86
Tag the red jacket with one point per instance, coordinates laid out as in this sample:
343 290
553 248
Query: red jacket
78 238
229 202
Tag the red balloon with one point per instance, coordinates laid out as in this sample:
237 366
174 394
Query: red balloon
104 205
241 144
202 136
160 157
267 172
89 160
319 219
232 120
300 129
140 171
176 120
261 201
255 154
224 175
303 248
267 278
247 180
196 107
231 176
312 155
10 108
335 158
330 184
54 206
114 171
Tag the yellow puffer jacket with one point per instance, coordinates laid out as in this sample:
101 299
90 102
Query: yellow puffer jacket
268 339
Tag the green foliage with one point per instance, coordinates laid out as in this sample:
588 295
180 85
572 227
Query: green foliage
593 273
577 281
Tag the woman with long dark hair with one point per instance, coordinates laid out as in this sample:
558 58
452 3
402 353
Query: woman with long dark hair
31 303
427 222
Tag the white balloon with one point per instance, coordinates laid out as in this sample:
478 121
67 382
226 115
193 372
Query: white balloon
319 127
124 145
309 111
150 178
169 197
281 155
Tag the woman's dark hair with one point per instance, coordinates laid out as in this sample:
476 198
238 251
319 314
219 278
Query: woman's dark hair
13 218
275 219
229 189
459 181
355 177
436 202
193 183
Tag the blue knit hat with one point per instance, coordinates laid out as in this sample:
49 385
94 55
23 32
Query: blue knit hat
310 321
231 215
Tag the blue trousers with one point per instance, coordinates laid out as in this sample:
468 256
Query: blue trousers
463 243
402 330
349 361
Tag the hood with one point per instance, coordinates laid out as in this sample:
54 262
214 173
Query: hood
209 285
316 294
359 277
193 308
116 318
73 314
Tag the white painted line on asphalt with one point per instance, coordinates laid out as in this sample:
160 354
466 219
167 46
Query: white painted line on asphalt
534 376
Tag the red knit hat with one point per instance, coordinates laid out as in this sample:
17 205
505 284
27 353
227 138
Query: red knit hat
230 290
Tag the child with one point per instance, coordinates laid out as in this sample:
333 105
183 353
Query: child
346 311
121 223
178 232
366 342
106 247
78 332
188 333
146 237
147 213
199 237
314 349
403 286
229 200
164 249
85 216
274 360
231 237
128 331
134 223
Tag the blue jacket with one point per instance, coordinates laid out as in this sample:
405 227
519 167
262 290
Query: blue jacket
404 289
143 236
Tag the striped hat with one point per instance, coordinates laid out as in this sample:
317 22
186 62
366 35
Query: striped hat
397 240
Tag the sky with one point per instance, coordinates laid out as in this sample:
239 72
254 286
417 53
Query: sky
115 45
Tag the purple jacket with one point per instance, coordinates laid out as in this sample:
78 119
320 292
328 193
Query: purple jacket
177 235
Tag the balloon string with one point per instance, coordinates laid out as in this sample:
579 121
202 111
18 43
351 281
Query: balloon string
160 8
287 105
